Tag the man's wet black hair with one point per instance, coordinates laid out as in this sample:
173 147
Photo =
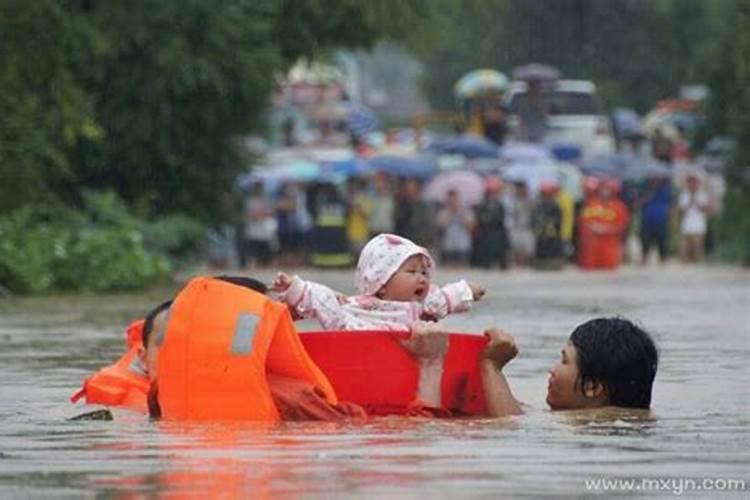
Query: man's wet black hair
619 355
154 408
148 321
246 282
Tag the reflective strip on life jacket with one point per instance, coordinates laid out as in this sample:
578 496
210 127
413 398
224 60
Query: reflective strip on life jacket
220 341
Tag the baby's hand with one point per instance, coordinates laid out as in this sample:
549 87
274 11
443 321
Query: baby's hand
281 283
501 348
477 291
427 341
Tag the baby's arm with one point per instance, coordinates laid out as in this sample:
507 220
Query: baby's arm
453 298
498 397
310 300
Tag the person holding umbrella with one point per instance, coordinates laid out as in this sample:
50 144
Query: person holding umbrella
533 111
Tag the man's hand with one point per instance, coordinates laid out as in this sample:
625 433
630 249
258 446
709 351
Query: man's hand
427 341
501 348
477 291
281 283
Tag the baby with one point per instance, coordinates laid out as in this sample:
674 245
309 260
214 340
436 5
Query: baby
394 288
395 292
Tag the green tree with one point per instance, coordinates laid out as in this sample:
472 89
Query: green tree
729 113
151 97
638 51
43 110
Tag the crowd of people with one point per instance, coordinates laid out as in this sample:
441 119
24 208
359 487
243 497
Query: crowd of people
327 225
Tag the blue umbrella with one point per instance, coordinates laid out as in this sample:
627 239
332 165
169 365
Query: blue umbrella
351 167
420 167
646 168
627 121
469 146
513 152
362 120
610 165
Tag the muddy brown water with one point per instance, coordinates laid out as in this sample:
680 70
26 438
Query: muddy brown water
695 442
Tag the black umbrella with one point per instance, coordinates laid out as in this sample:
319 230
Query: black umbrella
536 72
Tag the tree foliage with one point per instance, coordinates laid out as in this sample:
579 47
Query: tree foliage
150 97
729 113
638 51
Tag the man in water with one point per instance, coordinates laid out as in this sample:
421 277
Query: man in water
606 362
295 399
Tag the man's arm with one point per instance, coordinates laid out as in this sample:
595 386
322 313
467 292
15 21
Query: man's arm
498 397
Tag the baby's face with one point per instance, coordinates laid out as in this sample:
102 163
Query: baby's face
410 283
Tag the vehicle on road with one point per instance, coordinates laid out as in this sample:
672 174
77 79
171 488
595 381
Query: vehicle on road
575 115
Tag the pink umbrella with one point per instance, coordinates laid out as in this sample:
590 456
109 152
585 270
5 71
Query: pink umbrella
469 186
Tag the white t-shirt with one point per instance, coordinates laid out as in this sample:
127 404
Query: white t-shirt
693 218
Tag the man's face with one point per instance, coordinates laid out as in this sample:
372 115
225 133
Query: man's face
151 352
563 390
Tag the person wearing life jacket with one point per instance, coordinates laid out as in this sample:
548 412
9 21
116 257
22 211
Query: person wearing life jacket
602 222
547 224
251 366
306 395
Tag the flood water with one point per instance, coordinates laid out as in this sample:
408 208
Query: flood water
698 430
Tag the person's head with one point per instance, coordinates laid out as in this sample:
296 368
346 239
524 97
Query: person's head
391 267
412 189
693 182
410 282
549 189
609 188
256 189
493 186
154 326
606 362
382 183
590 187
452 199
521 189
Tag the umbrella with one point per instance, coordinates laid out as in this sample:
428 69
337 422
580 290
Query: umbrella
351 167
608 165
646 168
469 186
479 81
524 152
469 146
571 180
420 167
299 170
566 152
626 121
361 119
532 173
536 72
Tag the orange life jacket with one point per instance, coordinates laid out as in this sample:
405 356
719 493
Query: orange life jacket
123 383
220 340
597 251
